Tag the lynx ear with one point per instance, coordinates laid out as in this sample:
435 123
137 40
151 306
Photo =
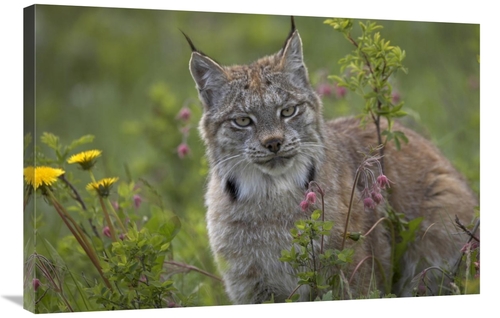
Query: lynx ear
292 59
208 75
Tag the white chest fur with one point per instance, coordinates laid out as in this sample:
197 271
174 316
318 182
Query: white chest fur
249 228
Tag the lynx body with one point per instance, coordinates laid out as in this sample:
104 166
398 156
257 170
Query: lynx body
266 140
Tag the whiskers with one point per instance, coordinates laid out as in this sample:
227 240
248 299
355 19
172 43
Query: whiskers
312 149
311 144
227 165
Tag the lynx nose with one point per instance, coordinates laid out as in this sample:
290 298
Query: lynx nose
273 144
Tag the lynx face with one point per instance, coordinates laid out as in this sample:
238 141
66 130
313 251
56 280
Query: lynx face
261 121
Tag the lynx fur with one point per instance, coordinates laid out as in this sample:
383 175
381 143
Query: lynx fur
266 140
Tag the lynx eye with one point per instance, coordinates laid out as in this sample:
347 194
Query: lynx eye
243 121
289 111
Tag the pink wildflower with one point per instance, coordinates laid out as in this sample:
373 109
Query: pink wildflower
340 91
184 114
304 205
396 97
383 181
172 304
474 245
369 203
311 197
182 150
465 248
106 231
36 283
324 89
137 201
377 197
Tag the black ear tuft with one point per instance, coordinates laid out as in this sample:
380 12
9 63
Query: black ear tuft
292 30
191 45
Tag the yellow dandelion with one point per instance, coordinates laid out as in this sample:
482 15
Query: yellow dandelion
41 176
85 159
102 187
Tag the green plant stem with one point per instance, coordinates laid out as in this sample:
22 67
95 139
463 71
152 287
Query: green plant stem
79 199
193 268
315 286
358 173
27 196
47 274
53 277
92 176
77 196
379 138
116 217
376 119
82 240
393 239
379 265
393 254
294 291
90 253
108 220
322 220
459 260
375 225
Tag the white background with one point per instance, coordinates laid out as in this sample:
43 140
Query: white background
480 11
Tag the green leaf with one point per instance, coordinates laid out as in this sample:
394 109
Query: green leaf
346 255
54 255
328 225
398 114
27 140
132 233
401 135
171 228
407 237
50 140
294 298
124 190
82 140
328 296
164 247
397 143
316 215
300 225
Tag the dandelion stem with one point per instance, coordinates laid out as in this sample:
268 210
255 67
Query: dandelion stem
92 176
82 239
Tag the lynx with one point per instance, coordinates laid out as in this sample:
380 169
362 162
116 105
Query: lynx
266 140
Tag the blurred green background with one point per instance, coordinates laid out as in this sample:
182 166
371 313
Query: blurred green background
122 75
